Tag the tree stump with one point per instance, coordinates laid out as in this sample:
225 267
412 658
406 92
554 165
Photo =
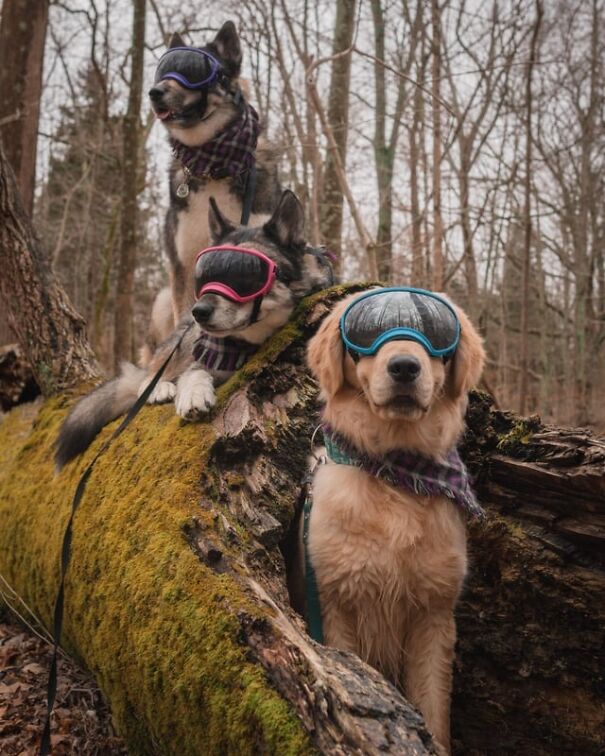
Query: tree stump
176 597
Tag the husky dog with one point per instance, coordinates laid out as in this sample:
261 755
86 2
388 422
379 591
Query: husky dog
213 134
231 321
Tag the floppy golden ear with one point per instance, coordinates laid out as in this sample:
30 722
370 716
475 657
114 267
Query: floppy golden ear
325 353
468 361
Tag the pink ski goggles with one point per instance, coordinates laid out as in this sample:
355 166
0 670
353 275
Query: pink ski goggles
238 273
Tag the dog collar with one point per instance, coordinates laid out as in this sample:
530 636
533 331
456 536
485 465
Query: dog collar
227 354
413 471
229 154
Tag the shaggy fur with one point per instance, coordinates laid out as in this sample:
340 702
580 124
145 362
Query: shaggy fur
187 231
390 564
186 382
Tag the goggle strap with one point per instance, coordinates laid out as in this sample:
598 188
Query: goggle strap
256 309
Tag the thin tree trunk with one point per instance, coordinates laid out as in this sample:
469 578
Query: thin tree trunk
338 116
414 137
50 332
524 363
123 341
438 265
22 35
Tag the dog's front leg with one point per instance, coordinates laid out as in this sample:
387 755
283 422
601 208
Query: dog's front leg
429 654
194 393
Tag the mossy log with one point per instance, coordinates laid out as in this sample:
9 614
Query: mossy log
176 596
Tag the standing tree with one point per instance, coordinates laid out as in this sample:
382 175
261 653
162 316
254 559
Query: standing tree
123 339
49 330
338 114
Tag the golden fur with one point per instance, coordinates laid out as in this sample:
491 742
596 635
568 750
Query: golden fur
390 564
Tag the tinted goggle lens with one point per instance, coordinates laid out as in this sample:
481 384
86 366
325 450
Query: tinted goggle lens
235 272
402 313
190 66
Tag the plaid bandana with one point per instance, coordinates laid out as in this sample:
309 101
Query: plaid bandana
417 473
222 354
231 153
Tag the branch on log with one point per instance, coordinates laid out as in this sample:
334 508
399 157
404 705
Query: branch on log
177 601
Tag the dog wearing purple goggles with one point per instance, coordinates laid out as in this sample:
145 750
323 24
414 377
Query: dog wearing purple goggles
198 98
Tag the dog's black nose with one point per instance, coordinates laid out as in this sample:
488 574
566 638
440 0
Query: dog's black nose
202 311
404 368
156 94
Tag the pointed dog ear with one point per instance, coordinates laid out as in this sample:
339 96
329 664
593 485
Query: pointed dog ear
287 224
325 352
468 361
228 47
218 224
175 41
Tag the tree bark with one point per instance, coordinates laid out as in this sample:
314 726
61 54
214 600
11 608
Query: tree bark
123 330
338 116
176 596
438 264
22 35
50 332
524 363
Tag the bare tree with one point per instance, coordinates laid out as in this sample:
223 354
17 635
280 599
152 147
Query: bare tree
123 343
338 115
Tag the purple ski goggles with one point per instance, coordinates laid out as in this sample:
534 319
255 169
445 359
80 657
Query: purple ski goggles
192 67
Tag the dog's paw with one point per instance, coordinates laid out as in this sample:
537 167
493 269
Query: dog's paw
194 394
164 392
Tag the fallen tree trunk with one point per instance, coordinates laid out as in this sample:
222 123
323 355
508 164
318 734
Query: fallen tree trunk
176 596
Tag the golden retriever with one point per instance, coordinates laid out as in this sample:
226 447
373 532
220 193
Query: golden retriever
390 564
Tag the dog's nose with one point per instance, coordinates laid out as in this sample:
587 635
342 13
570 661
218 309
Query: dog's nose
156 94
404 368
202 311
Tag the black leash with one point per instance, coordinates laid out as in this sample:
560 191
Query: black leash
248 195
51 690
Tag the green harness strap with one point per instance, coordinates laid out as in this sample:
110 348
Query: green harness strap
314 623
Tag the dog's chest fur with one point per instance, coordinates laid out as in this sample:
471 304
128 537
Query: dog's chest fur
380 553
192 230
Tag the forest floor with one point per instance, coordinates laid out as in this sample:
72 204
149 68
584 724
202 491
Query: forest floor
81 721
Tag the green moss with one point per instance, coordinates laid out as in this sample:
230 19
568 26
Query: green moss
157 628
520 434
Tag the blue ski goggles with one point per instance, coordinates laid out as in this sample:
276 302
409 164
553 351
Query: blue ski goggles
192 67
400 313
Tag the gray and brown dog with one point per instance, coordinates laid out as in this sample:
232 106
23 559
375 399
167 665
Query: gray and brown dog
225 331
213 133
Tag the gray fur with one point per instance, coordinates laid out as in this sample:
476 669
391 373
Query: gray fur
281 239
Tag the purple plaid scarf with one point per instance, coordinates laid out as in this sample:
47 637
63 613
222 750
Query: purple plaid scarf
422 475
222 354
231 153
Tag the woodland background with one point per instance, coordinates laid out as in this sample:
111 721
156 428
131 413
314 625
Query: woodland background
472 135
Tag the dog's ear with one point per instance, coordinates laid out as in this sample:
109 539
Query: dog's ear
287 224
218 224
468 360
175 41
228 47
325 352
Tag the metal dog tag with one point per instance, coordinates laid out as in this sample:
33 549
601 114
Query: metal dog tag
182 190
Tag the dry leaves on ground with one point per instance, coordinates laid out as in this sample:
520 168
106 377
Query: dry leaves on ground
81 722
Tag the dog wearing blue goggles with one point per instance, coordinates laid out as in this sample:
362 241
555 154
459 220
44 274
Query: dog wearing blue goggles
400 313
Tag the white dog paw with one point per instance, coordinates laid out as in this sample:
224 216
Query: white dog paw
164 392
194 394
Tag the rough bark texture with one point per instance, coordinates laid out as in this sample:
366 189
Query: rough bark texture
22 35
177 599
50 332
17 383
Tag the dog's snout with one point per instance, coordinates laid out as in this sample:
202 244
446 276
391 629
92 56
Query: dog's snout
156 94
404 368
202 311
